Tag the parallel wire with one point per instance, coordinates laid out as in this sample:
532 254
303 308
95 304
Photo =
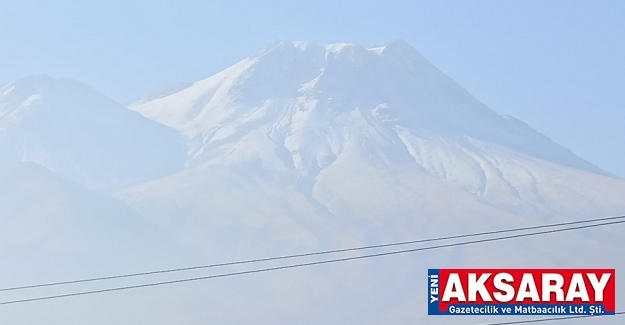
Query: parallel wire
306 264
306 254
551 319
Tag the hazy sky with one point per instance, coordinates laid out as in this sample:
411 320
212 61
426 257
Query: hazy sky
557 65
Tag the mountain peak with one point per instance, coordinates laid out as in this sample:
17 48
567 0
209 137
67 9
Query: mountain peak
400 45
58 93
81 134
391 88
294 47
37 80
403 52
47 84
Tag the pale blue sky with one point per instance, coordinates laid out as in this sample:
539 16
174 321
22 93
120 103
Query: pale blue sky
557 65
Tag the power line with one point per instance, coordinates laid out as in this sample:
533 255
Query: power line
307 264
550 319
307 254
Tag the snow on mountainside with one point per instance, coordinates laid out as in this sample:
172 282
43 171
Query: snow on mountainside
303 147
165 91
83 135
307 108
393 84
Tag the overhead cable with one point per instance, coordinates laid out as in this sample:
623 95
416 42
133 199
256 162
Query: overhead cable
161 283
283 257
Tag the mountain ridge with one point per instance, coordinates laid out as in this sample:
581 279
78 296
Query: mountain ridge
337 77
83 135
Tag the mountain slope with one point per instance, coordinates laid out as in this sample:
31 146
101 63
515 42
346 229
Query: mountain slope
304 147
47 220
306 82
302 107
81 134
55 230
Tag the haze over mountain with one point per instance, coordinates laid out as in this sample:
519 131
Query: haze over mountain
83 135
317 112
53 229
300 147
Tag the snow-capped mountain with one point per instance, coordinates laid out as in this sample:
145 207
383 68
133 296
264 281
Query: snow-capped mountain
83 135
391 85
304 147
307 109
298 148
